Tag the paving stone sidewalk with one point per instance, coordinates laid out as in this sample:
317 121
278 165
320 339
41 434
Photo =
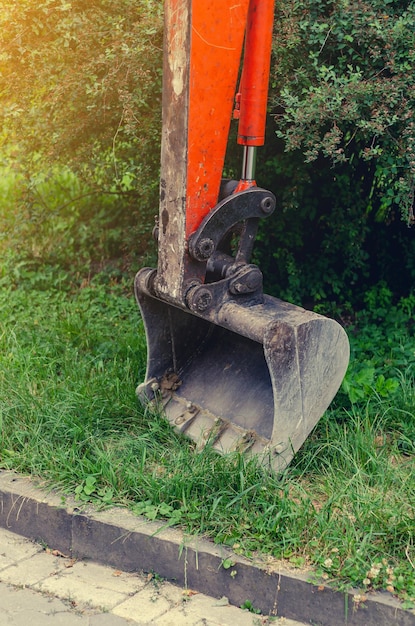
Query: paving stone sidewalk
40 587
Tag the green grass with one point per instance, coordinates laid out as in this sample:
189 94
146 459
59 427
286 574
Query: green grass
70 358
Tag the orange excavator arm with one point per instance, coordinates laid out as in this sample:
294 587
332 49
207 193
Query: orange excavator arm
230 364
204 41
203 49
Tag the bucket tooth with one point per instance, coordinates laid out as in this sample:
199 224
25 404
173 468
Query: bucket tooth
180 415
205 428
236 439
252 378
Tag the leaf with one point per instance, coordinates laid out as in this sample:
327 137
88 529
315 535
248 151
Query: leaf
386 387
106 494
165 509
151 512
90 481
365 376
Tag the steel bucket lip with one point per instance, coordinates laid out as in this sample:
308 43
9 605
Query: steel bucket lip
299 358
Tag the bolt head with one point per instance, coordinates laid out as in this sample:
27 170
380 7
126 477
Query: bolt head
205 249
200 299
267 205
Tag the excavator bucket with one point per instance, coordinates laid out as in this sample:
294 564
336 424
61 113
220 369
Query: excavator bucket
229 364
257 380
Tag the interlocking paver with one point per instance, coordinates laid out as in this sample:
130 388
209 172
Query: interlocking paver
20 607
150 603
109 619
41 566
76 592
40 588
14 548
190 611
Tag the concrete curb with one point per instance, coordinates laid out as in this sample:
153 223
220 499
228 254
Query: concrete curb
124 541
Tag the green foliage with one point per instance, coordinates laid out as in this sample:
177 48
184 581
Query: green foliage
56 218
314 250
345 88
157 511
82 73
380 354
342 166
248 606
90 491
80 136
80 117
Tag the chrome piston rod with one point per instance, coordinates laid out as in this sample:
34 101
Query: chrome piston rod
248 163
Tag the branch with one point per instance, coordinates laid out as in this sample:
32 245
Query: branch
84 195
